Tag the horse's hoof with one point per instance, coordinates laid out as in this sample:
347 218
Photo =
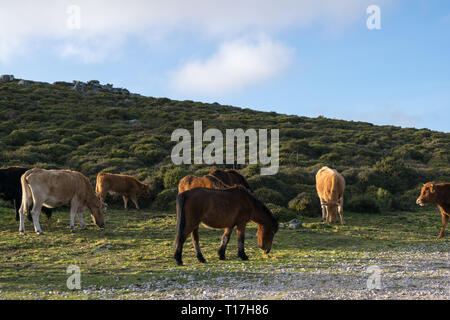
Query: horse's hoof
201 259
243 257
72 230
180 263
22 232
222 257
39 232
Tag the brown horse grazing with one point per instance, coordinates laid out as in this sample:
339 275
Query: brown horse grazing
222 209
190 182
230 177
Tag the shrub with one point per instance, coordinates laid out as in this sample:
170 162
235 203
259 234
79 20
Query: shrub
166 200
282 213
267 195
380 195
407 200
173 176
21 136
274 183
362 204
306 204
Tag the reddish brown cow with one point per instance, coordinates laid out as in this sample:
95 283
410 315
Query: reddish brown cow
190 182
438 193
124 185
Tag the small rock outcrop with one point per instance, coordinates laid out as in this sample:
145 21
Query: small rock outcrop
7 77
95 86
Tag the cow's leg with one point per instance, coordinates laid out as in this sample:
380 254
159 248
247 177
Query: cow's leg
133 198
445 218
125 202
73 213
324 213
341 210
241 239
16 209
223 246
195 242
37 206
22 220
80 220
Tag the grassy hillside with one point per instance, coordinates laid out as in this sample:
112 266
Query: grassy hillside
53 126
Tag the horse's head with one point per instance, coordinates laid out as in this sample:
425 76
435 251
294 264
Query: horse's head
266 232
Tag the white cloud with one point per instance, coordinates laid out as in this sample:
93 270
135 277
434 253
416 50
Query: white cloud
27 23
236 64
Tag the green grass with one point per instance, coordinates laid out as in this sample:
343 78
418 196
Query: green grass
34 266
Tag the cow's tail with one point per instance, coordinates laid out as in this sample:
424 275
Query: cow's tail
27 196
181 218
97 184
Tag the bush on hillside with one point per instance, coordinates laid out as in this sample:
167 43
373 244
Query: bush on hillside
362 204
306 204
166 200
173 176
267 195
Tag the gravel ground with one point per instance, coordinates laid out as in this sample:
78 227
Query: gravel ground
408 273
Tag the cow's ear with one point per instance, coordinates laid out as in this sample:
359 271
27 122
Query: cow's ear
432 187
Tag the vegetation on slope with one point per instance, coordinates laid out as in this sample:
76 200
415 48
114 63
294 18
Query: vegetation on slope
53 126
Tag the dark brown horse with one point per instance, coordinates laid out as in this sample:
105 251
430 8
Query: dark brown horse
230 177
190 182
222 209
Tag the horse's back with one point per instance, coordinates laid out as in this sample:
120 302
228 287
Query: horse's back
215 208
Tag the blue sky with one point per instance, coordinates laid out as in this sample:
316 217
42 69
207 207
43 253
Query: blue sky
306 58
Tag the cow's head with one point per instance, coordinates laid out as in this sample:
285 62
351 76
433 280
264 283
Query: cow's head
145 190
98 214
332 210
427 195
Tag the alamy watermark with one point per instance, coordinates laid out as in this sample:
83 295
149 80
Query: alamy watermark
213 153
73 21
373 22
74 280
374 280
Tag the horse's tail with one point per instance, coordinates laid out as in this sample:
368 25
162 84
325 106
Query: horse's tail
27 197
181 218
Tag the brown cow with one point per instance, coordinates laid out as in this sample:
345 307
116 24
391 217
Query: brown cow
330 186
438 193
56 188
190 182
126 186
230 177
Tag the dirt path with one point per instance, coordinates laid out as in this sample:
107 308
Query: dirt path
405 273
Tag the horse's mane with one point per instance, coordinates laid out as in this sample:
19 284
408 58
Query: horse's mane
239 177
216 182
258 203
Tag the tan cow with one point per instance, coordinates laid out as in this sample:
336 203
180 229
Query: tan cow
330 186
124 185
56 188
